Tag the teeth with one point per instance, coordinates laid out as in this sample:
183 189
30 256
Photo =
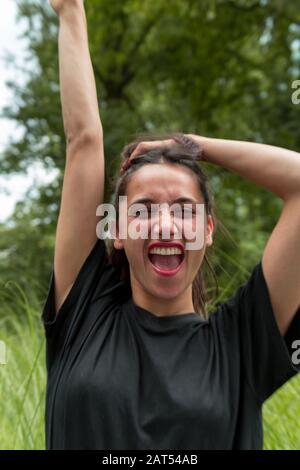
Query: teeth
165 251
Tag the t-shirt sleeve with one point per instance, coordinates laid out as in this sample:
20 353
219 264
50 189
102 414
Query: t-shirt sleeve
96 278
268 358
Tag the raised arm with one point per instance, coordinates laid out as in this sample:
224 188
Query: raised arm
83 184
277 170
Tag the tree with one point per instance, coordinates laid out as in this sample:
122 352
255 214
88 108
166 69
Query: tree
218 68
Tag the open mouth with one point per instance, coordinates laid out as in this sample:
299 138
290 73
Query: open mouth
166 260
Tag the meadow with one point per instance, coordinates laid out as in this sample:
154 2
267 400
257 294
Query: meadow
23 384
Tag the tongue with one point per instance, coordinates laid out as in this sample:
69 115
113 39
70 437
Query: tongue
165 261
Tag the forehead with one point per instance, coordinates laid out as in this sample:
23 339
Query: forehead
163 183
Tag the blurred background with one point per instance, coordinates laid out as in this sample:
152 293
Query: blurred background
219 68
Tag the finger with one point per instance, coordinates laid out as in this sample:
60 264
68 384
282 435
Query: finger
140 150
147 146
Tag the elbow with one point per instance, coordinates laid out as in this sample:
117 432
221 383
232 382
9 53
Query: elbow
84 138
292 191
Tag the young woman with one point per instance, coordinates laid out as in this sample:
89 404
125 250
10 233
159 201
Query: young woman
133 359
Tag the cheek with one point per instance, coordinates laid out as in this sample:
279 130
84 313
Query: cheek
134 251
194 260
193 226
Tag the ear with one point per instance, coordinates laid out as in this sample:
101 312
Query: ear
209 230
118 243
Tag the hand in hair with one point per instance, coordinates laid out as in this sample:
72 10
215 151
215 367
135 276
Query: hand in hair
146 146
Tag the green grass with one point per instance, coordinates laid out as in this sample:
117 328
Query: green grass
23 377
281 417
23 381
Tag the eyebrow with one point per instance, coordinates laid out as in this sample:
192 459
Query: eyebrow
146 200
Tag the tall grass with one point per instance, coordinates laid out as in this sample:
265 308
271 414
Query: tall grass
23 377
281 417
23 382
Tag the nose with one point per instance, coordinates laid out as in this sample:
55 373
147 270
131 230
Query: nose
163 226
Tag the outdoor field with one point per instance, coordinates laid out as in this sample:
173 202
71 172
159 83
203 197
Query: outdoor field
221 69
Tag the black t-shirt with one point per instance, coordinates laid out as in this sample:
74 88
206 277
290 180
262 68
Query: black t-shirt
120 377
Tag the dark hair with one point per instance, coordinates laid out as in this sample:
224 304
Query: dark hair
184 152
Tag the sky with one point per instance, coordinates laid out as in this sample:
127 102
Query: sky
12 188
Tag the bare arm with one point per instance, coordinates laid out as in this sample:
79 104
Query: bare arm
83 184
278 170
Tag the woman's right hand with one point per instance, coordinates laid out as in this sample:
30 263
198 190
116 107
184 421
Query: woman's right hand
59 5
187 140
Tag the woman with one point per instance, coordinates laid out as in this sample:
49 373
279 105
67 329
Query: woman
133 359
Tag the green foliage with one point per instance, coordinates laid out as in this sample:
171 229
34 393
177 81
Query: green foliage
218 68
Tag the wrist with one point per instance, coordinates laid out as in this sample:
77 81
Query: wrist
203 143
71 9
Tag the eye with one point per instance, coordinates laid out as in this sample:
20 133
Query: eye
189 212
142 213
178 213
139 211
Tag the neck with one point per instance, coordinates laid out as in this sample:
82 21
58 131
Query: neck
159 306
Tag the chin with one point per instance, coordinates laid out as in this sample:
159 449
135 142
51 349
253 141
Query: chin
166 293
